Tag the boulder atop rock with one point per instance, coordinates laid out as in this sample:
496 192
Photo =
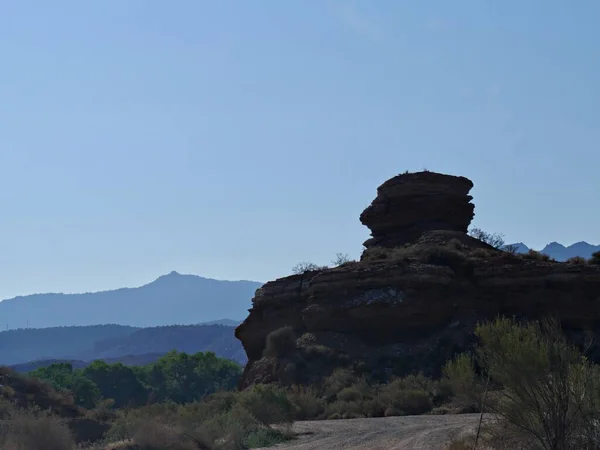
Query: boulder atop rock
411 204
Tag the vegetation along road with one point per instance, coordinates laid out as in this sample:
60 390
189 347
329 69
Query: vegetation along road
429 432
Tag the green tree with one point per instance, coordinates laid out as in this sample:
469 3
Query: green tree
118 382
62 377
184 378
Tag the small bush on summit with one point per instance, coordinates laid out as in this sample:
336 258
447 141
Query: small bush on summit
576 260
280 342
341 259
303 267
494 239
595 259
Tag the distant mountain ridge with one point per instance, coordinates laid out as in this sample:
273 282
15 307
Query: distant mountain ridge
561 253
168 300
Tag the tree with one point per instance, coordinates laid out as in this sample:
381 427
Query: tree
340 259
62 377
118 382
184 378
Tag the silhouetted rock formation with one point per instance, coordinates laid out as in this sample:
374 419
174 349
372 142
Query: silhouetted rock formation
407 308
410 204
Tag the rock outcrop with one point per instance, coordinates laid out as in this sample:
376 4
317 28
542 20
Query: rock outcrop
411 204
414 298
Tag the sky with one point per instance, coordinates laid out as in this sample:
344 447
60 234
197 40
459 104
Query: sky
233 139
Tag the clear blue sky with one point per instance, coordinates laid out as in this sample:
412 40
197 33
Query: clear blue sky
232 139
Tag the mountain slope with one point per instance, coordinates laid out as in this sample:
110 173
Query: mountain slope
561 253
171 299
111 342
24 345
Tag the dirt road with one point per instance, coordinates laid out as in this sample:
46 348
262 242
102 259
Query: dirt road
384 433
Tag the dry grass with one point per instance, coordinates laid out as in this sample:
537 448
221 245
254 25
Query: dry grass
27 431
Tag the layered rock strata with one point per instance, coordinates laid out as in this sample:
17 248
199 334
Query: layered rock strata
410 204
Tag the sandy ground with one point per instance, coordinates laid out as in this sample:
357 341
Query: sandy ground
384 433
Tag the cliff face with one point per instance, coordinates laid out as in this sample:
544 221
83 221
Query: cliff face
415 296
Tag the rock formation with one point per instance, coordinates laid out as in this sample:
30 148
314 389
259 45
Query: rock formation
411 204
412 301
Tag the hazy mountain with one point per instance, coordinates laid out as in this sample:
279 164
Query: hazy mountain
561 253
111 342
171 299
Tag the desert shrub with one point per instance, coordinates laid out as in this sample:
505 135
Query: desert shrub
595 259
280 342
408 395
534 254
224 420
407 402
494 239
344 410
24 391
104 411
341 259
6 409
158 435
306 403
35 431
576 260
266 437
462 379
304 266
350 394
549 392
414 381
374 407
480 253
442 256
269 404
238 428
317 351
338 380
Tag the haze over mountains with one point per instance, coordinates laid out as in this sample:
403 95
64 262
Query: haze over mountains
115 342
171 299
561 253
